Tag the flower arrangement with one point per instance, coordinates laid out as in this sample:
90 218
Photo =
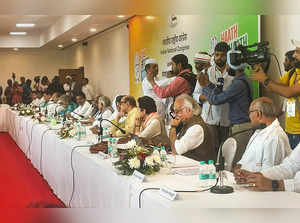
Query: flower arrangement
137 158
26 111
39 118
68 131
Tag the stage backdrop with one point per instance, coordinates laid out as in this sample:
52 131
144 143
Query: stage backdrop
165 36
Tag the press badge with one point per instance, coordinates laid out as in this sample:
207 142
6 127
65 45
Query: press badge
291 107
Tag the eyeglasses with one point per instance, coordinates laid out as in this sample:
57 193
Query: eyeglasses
249 112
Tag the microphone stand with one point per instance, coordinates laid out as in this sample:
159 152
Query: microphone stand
100 133
220 164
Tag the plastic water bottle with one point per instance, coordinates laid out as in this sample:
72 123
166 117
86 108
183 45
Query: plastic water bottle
114 150
78 130
155 151
203 174
163 155
212 173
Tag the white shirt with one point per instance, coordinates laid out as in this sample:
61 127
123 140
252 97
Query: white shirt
88 91
85 110
193 138
152 129
266 148
54 108
106 114
161 104
214 114
288 170
37 102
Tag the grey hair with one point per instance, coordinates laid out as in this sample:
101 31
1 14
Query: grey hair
190 103
266 107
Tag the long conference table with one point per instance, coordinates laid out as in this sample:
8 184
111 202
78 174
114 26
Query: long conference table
95 183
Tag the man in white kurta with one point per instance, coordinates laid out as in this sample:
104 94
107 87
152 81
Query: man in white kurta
269 146
84 109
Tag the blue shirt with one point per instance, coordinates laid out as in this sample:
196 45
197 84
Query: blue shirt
236 95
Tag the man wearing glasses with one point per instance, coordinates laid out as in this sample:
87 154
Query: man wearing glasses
194 139
128 109
267 147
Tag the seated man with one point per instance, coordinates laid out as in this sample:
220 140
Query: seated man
35 100
149 125
67 105
266 147
84 108
46 101
128 106
54 107
283 177
193 139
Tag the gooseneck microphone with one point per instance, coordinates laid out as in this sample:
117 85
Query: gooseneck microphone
222 189
100 133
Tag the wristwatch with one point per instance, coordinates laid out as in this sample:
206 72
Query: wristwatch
275 185
266 82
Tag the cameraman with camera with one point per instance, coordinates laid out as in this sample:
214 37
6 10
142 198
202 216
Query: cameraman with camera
238 95
289 88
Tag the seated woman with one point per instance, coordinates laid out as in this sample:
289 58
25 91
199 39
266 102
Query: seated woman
149 125
67 104
104 111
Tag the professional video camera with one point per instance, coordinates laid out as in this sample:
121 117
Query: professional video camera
240 57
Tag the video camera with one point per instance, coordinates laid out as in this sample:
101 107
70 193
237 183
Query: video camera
241 56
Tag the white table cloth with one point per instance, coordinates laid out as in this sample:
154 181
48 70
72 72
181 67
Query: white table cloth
98 185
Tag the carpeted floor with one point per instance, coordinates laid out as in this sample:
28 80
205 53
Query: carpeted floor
21 185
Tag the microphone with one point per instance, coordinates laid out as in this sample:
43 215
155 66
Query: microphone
221 189
81 116
101 129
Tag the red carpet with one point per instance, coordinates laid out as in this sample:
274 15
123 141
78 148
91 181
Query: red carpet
21 185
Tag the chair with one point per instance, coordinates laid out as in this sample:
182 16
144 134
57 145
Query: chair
229 149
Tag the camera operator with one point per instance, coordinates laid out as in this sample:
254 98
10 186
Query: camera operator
239 96
289 88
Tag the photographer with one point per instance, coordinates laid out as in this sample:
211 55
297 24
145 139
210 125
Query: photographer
239 96
289 88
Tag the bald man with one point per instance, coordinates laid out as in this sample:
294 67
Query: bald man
269 146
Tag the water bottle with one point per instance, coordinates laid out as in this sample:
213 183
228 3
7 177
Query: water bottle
163 155
212 173
78 130
83 131
109 146
203 174
155 151
114 151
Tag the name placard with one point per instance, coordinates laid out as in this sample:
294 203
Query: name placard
168 193
103 155
137 176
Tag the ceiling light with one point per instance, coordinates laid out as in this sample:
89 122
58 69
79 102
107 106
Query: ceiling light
121 16
74 40
25 25
16 49
18 33
60 46
93 30
149 17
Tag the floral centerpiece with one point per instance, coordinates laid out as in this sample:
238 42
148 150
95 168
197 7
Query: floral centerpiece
26 111
137 158
68 131
39 118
